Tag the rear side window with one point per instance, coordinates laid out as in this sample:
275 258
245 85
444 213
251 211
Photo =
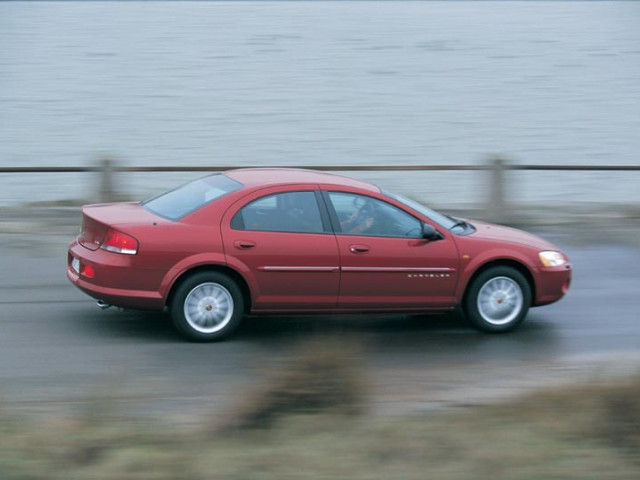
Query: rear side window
188 198
281 212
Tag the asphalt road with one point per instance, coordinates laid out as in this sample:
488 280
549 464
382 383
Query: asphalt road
59 352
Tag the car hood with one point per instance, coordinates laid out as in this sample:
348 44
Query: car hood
490 231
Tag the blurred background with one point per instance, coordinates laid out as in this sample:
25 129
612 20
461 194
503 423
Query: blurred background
323 83
90 394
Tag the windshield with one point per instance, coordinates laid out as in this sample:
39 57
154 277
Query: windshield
439 218
188 198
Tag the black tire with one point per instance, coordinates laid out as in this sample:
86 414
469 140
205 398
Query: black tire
497 300
215 307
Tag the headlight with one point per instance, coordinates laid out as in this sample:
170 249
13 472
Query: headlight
552 259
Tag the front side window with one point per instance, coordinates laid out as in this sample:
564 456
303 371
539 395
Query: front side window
362 215
188 198
281 212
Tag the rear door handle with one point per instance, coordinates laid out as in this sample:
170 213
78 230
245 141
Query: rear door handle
359 248
244 244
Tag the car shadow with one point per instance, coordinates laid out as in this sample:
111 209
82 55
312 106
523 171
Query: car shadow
449 334
267 326
136 325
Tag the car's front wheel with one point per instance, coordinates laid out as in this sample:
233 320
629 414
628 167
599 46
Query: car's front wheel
498 299
207 306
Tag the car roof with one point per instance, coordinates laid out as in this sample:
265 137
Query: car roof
254 177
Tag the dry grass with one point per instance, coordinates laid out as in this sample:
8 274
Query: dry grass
581 432
322 375
620 421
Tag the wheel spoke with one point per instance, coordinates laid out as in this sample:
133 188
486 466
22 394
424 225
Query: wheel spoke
500 300
208 307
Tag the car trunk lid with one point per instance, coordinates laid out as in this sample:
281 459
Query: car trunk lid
98 219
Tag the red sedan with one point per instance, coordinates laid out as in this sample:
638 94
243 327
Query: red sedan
291 241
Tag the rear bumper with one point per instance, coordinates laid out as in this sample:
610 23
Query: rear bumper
113 281
552 284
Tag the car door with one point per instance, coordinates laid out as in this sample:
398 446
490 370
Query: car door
281 241
384 261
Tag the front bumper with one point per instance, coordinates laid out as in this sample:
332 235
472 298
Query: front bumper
552 283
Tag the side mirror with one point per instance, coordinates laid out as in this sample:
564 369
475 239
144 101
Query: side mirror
430 233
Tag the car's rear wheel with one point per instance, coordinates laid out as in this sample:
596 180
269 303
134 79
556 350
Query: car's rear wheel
498 299
207 306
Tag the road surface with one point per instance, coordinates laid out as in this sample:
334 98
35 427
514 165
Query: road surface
59 352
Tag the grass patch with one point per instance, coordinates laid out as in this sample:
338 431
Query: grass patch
306 422
320 376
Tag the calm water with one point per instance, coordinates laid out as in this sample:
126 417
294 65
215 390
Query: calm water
296 83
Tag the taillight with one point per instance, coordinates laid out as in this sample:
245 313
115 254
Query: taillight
119 242
88 271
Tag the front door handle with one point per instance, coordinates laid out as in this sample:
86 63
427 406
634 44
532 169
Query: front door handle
244 244
359 248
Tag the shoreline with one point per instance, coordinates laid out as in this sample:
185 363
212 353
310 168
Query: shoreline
581 223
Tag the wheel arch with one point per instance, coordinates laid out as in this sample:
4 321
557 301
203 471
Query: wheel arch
230 272
502 262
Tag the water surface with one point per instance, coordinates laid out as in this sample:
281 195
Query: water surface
296 83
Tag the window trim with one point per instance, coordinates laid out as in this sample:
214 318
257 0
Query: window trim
335 221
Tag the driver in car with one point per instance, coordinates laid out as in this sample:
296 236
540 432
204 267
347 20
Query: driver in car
357 223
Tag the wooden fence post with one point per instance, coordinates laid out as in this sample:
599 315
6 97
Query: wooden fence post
496 208
106 191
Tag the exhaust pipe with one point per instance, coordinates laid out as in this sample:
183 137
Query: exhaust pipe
103 305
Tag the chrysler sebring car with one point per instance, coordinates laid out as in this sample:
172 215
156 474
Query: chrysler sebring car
260 241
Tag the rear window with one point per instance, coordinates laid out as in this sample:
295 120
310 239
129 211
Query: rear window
188 198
